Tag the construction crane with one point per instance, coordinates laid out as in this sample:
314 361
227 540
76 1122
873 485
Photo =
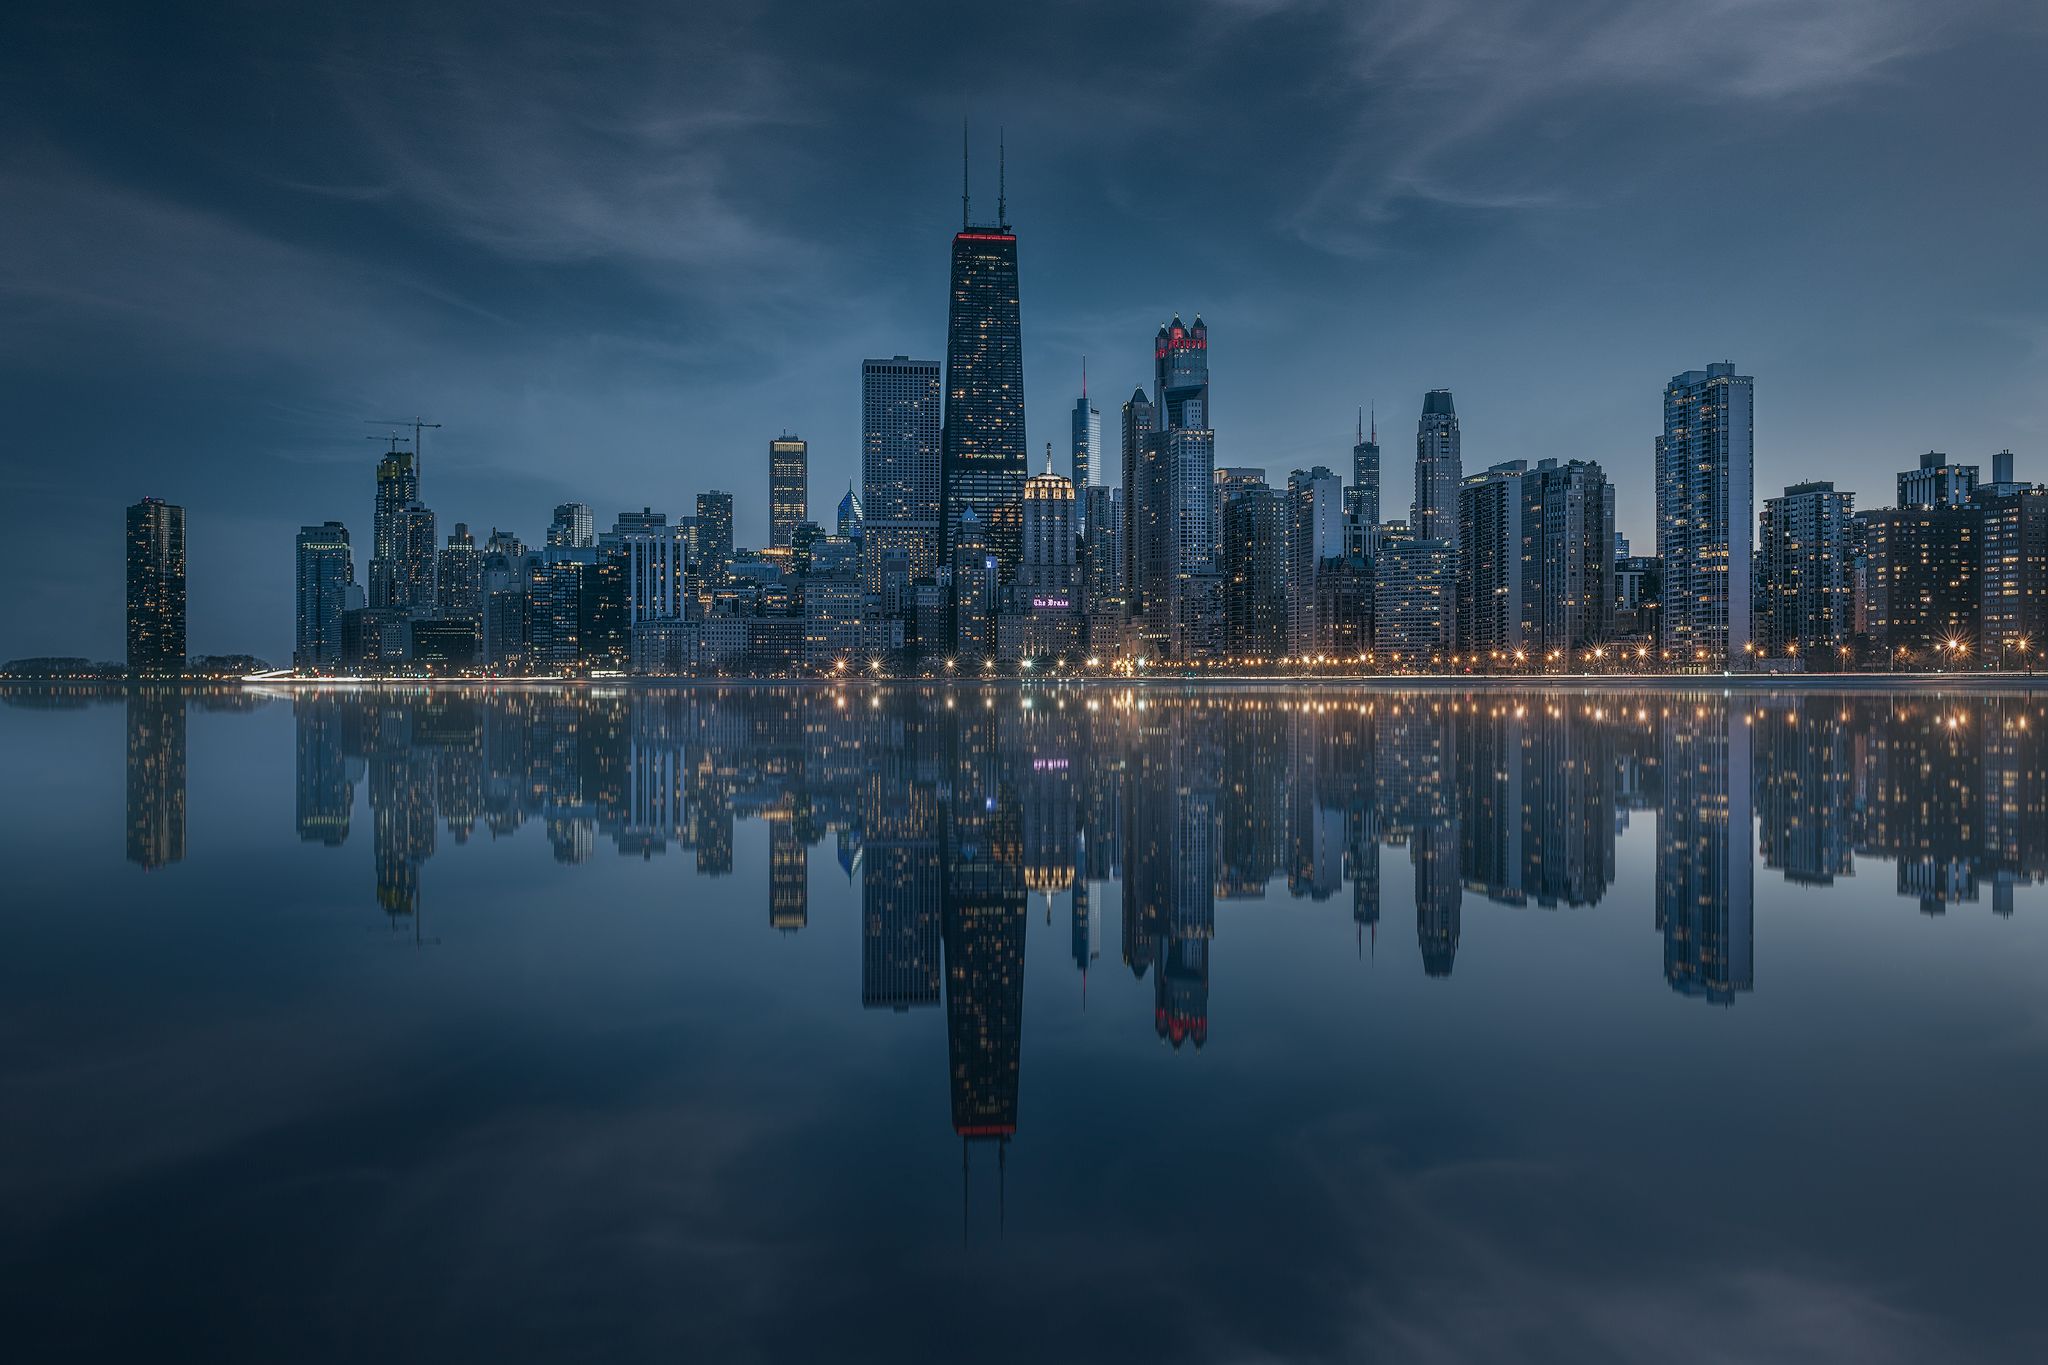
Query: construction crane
395 439
417 424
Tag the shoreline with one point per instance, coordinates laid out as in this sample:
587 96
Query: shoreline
1374 682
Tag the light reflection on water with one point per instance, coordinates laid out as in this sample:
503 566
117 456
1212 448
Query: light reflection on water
885 1022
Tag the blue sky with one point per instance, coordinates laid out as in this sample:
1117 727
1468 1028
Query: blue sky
616 254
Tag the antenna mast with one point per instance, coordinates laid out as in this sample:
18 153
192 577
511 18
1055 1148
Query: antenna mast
1002 205
964 216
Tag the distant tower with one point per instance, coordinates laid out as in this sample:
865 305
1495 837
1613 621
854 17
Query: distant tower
982 463
326 572
1362 499
156 588
789 501
574 528
458 576
714 533
398 487
852 516
1439 467
1087 460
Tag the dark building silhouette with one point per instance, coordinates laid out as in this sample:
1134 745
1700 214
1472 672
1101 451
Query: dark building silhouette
156 778
156 588
982 451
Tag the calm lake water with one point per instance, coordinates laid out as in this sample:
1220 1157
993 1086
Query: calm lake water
910 1023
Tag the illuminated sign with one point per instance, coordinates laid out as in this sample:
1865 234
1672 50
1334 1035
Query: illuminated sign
1042 603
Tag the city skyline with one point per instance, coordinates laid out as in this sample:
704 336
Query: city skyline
631 355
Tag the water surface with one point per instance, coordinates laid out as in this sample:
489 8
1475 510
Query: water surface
915 1023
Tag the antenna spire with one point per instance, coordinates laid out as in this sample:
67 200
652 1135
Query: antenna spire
1375 426
1084 376
1361 426
964 218
1002 206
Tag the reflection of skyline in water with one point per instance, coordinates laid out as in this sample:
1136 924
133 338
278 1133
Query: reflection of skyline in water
953 810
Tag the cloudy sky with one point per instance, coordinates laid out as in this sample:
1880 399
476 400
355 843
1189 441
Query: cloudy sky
615 255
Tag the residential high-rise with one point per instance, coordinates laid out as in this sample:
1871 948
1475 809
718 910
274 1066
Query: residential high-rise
1102 551
1362 498
1706 515
1490 598
1567 556
2013 580
1138 511
412 575
900 405
1315 543
1805 592
1922 591
1047 576
1415 592
326 572
1232 480
714 533
1182 595
975 575
1087 450
459 579
574 527
1254 566
156 588
398 487
1439 468
789 480
982 464
1937 483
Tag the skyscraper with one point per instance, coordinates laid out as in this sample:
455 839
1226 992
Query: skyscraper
1439 467
714 533
900 406
1490 616
1805 592
982 463
398 487
1047 574
1253 562
574 528
1706 515
326 571
1362 499
156 588
1315 541
852 519
1183 600
412 579
1138 512
459 581
789 498
1087 445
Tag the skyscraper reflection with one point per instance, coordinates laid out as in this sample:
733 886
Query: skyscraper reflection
950 808
156 777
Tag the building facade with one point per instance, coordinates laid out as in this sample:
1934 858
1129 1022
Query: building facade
326 572
1439 469
1706 517
982 463
789 488
156 588
901 403
1805 587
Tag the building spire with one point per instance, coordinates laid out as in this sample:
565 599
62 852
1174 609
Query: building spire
964 218
1361 426
1375 426
1048 469
1084 376
1002 206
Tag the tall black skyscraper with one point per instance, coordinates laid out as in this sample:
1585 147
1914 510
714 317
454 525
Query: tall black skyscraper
1362 499
982 464
156 587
